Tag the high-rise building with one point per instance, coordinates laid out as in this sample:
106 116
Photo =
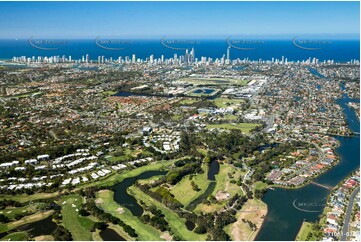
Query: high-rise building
133 58
228 53
186 56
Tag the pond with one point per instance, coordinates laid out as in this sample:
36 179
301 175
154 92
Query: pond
190 225
110 235
213 170
203 91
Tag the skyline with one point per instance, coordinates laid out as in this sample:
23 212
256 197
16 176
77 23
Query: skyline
150 19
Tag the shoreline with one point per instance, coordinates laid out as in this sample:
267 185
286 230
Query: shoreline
255 211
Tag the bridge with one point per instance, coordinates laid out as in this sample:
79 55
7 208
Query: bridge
321 185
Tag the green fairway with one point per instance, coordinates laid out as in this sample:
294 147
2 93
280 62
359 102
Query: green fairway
11 212
116 177
223 180
176 223
145 232
17 236
78 226
183 191
244 127
25 220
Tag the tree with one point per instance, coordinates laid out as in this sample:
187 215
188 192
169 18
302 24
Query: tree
61 234
4 219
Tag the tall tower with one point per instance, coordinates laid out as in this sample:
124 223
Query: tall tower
228 53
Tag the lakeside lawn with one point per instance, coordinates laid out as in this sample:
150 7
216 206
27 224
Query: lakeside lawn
17 236
176 223
304 230
145 232
183 191
78 226
25 220
244 127
259 185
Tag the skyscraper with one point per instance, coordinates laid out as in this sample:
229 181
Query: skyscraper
228 53
133 58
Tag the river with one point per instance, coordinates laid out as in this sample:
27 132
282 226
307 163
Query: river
124 199
283 219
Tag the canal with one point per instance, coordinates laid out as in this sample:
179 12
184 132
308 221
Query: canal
288 208
124 199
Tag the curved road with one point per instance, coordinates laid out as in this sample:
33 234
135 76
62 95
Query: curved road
348 214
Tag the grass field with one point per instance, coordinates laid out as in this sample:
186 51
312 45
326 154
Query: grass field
260 185
204 208
128 155
304 230
176 223
213 81
183 191
17 236
227 102
23 198
223 180
110 93
78 226
229 117
244 127
187 101
145 232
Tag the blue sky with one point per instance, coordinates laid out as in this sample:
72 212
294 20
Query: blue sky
89 19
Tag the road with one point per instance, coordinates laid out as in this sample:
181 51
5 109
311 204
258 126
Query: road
348 214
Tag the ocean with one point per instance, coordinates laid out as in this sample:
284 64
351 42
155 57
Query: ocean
337 50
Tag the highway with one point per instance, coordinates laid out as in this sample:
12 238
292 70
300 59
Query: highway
348 214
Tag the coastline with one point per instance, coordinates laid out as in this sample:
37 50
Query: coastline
255 211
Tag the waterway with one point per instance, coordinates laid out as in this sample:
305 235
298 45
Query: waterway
211 175
124 199
283 219
315 72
